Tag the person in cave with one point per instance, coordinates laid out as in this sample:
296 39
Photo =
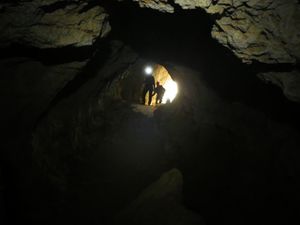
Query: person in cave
149 85
159 90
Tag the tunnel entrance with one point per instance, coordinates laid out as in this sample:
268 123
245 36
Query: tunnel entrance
164 79
133 85
175 39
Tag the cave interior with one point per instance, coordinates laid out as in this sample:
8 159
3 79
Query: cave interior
78 147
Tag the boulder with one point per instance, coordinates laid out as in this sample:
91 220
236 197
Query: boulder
264 31
160 203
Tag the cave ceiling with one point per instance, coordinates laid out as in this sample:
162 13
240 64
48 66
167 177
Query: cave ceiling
256 31
265 31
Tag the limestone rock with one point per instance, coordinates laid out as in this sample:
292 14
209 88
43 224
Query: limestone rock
266 31
52 23
161 5
288 82
160 204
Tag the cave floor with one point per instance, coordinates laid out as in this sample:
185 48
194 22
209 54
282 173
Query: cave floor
144 109
131 158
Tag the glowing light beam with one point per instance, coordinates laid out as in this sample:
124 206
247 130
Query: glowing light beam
171 91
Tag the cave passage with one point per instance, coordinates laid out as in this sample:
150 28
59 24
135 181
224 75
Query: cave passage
184 38
81 147
133 85
163 78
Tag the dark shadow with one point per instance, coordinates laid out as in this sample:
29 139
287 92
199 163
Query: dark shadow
89 71
55 6
49 56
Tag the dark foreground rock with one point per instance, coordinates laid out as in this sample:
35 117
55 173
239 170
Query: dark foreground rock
160 203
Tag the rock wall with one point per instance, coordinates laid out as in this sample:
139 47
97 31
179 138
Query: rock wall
289 82
76 135
265 31
75 121
255 31
45 47
227 152
52 23
235 160
28 86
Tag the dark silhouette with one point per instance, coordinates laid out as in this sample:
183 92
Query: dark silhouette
149 85
159 90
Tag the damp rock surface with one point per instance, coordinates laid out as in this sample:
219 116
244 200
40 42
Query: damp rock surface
52 24
264 31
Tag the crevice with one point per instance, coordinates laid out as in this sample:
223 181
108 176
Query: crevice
50 56
258 67
158 31
57 6
90 5
11 2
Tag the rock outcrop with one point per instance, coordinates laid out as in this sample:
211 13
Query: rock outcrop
265 31
161 5
289 82
52 23
160 203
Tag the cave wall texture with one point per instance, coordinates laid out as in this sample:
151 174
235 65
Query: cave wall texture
266 31
255 31
74 147
52 24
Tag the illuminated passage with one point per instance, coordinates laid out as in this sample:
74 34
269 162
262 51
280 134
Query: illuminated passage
171 90
162 76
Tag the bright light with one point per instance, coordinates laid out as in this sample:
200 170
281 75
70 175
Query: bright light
171 91
148 70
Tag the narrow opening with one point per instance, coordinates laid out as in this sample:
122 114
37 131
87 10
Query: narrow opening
165 90
145 79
